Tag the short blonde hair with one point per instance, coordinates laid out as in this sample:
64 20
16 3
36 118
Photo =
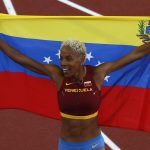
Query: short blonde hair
75 45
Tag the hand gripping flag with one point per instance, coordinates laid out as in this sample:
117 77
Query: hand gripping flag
125 93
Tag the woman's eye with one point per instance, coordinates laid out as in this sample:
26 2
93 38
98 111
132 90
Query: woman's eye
69 58
66 58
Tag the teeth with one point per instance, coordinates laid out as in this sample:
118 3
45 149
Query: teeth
65 69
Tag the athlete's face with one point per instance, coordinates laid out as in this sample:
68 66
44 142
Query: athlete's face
70 62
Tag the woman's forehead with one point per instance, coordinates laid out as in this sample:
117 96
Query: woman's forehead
67 51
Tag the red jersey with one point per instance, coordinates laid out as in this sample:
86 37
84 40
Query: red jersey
79 99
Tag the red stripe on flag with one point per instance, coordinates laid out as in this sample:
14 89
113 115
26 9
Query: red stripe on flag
38 95
125 107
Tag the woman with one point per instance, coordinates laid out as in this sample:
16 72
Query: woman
78 90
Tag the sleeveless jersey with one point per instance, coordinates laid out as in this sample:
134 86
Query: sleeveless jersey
79 99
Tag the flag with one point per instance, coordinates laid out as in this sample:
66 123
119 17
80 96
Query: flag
125 92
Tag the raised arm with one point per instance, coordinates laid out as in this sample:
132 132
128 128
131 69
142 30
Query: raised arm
50 70
137 53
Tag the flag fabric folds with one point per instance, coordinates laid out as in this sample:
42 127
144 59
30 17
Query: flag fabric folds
125 93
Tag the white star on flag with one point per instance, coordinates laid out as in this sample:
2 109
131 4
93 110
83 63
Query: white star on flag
106 78
58 54
99 63
89 56
47 59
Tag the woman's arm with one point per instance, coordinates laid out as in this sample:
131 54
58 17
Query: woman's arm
51 70
136 54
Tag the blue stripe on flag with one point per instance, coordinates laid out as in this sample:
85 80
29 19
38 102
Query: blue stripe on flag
136 74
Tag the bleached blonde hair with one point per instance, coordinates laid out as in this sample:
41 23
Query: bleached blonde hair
76 46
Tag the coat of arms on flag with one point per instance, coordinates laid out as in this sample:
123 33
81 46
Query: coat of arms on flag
144 31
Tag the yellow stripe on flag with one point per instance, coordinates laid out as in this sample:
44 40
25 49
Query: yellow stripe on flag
105 30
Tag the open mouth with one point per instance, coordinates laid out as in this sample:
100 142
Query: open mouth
65 70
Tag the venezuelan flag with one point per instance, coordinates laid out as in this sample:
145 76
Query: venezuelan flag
125 93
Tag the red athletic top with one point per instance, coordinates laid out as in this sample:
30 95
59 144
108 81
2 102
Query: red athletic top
79 99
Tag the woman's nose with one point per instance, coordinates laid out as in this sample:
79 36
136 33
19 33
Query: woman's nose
63 62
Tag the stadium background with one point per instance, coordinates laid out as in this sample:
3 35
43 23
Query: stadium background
20 130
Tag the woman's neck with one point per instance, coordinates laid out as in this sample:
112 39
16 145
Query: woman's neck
80 76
